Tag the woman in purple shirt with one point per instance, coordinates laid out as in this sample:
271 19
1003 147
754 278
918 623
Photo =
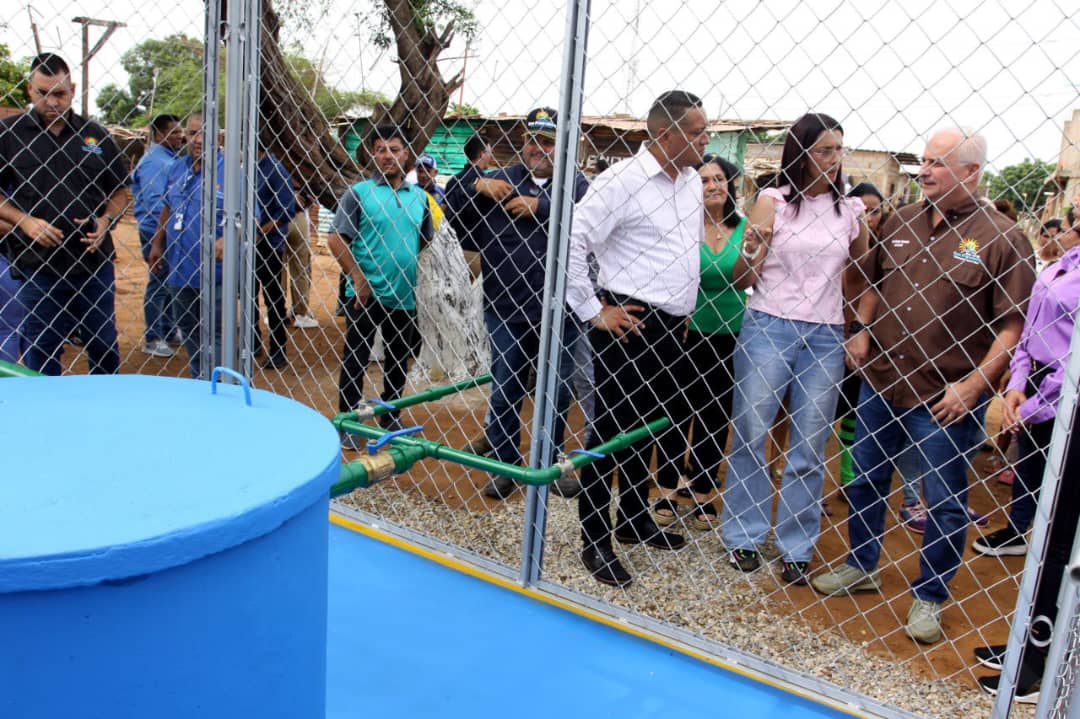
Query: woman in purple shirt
1031 399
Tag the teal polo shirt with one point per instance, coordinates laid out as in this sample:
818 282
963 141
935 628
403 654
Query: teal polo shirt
386 228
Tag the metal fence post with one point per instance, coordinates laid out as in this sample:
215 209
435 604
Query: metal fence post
211 103
551 331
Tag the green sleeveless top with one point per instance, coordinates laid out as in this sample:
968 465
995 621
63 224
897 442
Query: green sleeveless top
719 304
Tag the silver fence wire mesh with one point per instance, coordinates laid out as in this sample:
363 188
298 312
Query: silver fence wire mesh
410 160
1061 699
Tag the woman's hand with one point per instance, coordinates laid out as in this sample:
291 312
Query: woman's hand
1011 421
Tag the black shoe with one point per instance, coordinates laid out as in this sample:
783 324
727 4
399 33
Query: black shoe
499 487
745 560
795 573
390 422
646 532
272 362
991 657
1002 543
605 567
566 487
1027 687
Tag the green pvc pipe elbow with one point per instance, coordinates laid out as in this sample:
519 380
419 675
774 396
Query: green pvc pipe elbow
525 475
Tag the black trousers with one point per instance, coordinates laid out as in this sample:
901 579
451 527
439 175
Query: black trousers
636 382
268 271
703 405
400 340
1059 543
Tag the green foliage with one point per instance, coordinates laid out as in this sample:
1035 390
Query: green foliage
433 15
464 110
331 101
13 79
1022 184
167 74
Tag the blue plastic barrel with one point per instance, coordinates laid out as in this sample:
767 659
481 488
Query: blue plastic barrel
162 550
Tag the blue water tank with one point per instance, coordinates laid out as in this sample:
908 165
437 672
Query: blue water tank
162 550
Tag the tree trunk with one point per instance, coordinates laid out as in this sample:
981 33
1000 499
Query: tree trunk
295 130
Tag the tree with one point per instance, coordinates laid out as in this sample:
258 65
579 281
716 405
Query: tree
463 110
297 132
13 77
1022 184
165 75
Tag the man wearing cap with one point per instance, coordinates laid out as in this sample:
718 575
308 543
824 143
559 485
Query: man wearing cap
515 204
64 187
427 169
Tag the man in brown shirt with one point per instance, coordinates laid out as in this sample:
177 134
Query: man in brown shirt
950 282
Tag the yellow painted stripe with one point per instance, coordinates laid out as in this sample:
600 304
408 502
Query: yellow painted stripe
484 575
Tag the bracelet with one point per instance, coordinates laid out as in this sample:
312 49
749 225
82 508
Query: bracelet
752 255
113 219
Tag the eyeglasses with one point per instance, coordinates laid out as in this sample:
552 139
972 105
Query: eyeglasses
829 151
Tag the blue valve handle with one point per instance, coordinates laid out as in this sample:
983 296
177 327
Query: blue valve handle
376 445
587 453
381 403
218 371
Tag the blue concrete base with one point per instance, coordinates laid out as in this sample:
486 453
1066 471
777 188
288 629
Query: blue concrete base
252 617
410 638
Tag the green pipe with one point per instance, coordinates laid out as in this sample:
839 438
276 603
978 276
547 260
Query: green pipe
428 395
525 475
10 369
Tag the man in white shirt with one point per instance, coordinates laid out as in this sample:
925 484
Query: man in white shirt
643 219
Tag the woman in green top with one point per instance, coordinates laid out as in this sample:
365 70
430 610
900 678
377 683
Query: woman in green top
710 345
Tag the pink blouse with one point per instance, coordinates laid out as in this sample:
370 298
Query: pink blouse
801 277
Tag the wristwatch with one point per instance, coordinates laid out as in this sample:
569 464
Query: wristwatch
855 327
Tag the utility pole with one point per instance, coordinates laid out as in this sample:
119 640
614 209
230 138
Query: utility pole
33 28
88 52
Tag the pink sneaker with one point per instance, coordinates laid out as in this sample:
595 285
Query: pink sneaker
979 520
913 516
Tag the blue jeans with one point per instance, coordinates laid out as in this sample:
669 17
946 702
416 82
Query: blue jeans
883 431
157 319
774 357
54 306
11 314
514 350
186 303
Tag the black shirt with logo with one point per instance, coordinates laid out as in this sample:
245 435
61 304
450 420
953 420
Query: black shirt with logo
59 179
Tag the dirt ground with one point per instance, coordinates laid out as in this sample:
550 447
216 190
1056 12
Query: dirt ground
984 589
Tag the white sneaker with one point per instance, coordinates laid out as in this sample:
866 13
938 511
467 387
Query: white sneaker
158 348
305 322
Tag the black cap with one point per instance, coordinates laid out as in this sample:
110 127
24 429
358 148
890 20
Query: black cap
541 121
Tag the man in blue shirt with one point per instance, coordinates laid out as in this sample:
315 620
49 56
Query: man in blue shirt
275 207
515 205
377 233
176 247
148 190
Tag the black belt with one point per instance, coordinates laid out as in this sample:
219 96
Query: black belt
1036 375
648 311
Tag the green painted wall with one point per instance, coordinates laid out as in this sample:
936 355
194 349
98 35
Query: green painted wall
447 144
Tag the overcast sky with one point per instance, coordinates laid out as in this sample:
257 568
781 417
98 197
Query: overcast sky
890 72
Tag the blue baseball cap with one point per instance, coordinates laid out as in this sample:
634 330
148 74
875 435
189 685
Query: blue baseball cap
541 121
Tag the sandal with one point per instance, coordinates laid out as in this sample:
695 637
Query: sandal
670 512
704 517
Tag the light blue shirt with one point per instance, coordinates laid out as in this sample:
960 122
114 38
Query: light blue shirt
148 184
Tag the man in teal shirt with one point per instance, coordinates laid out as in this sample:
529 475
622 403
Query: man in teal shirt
377 233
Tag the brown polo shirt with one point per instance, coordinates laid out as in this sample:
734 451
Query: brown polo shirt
944 292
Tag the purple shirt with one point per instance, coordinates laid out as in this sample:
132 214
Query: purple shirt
1046 336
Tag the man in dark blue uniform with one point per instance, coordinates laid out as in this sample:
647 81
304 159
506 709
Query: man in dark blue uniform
514 205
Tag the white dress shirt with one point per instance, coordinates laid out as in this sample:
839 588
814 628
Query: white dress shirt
646 231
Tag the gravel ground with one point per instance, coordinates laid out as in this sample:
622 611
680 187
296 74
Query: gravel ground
694 590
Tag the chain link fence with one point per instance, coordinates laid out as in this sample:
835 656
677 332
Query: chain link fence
432 179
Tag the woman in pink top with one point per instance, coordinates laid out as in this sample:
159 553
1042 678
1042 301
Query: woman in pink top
804 234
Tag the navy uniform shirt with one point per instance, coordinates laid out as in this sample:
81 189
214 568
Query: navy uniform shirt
59 178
